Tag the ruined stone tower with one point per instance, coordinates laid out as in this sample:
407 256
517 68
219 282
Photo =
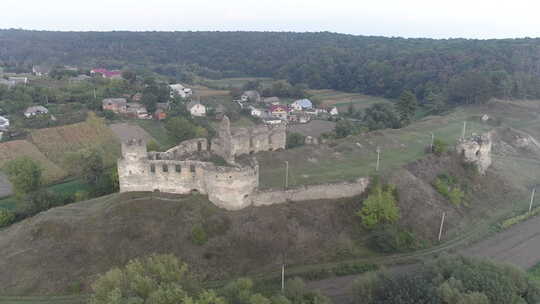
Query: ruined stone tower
476 150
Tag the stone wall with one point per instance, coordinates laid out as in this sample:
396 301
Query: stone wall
238 141
227 187
311 192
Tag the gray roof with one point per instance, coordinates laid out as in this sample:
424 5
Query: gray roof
191 104
36 109
252 94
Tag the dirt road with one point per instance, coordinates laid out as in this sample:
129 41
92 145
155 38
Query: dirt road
519 245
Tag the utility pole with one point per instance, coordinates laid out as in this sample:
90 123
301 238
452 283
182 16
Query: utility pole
282 278
378 159
95 95
442 223
286 174
464 129
432 141
532 199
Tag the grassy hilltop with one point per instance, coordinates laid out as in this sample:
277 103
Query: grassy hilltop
98 234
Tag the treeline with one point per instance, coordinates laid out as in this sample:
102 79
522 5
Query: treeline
462 71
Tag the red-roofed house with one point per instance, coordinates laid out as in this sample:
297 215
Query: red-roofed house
279 111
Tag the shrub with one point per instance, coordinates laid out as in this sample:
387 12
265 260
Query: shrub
295 140
439 147
390 239
6 218
152 146
379 207
447 186
198 235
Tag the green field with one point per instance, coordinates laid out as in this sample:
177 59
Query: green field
355 156
342 100
237 82
66 188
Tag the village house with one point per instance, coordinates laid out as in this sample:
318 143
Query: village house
117 105
279 111
250 96
161 110
196 108
35 110
137 110
302 104
333 111
181 90
40 70
255 112
18 80
299 117
136 97
115 74
4 123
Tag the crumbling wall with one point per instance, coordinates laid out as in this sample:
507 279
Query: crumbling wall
189 147
239 141
476 150
311 192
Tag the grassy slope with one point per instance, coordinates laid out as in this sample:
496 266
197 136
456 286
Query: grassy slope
56 142
16 148
342 100
356 156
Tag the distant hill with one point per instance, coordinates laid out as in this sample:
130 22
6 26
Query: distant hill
466 71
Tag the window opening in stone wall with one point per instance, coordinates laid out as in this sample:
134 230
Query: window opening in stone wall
192 168
199 146
269 139
165 168
158 157
251 142
153 168
178 168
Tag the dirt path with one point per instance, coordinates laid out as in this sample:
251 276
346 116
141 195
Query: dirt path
519 245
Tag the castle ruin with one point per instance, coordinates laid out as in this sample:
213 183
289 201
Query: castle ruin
476 150
192 166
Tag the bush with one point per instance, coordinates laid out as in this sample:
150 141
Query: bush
379 207
391 239
198 235
439 147
295 140
6 218
447 186
152 146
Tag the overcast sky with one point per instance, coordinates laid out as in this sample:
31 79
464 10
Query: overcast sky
413 18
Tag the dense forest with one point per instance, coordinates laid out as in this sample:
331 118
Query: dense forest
461 70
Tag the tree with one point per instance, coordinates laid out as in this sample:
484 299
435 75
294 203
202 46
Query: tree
92 167
379 207
344 128
157 279
406 107
182 129
129 76
381 116
152 146
435 103
295 139
25 175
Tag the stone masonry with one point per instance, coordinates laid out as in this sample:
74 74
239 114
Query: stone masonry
191 167
476 150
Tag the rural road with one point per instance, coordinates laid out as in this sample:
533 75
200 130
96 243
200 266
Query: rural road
519 245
